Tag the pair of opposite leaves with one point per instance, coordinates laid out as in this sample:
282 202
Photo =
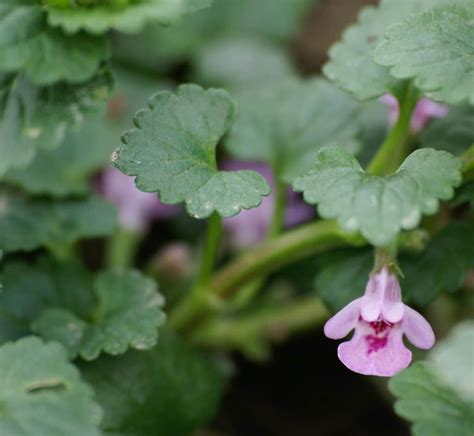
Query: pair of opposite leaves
173 152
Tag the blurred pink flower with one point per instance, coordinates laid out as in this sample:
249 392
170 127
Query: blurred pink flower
174 261
136 209
250 226
380 320
425 110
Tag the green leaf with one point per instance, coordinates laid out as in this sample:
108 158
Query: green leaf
434 408
429 393
60 325
454 360
242 62
343 277
33 118
17 145
174 390
453 133
28 289
61 301
465 194
131 89
286 124
130 18
45 55
351 65
379 207
42 393
442 266
128 313
270 20
67 169
27 224
172 152
166 46
435 49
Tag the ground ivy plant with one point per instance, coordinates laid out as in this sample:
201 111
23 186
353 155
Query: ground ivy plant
151 226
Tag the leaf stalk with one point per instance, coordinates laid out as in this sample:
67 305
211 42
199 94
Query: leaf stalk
396 146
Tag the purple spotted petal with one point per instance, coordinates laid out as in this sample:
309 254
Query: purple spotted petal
417 330
380 319
343 321
375 349
137 209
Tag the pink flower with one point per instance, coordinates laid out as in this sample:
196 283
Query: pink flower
136 209
250 226
425 110
380 320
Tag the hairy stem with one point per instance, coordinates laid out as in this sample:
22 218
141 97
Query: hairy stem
395 147
121 248
261 261
277 222
193 301
211 247
246 293
286 249
386 257
60 251
251 333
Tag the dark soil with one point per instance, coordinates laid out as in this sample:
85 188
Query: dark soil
305 391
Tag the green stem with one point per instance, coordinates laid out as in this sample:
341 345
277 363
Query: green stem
61 251
261 261
291 246
386 257
122 247
211 247
251 333
199 296
393 150
246 293
278 216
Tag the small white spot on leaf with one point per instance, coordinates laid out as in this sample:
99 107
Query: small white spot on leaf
33 132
